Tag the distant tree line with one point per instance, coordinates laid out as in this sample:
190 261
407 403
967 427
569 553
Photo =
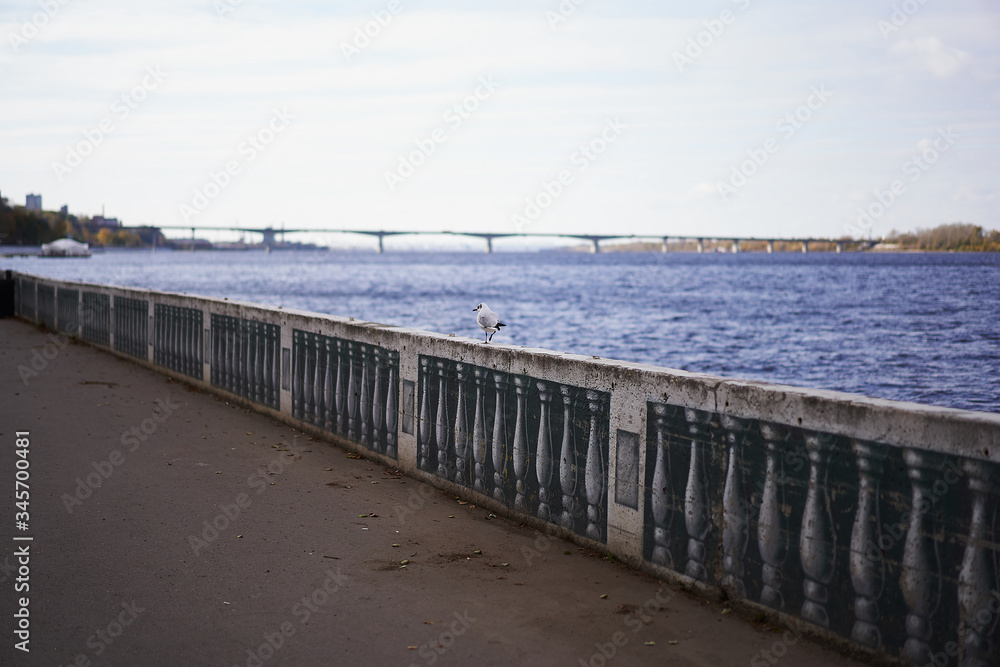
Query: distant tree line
19 226
957 236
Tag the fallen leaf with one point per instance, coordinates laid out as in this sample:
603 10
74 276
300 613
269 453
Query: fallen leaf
411 648
673 641
650 644
604 597
727 611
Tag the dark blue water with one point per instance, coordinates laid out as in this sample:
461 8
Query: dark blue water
917 327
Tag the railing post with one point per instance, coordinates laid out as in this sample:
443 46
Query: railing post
867 573
817 541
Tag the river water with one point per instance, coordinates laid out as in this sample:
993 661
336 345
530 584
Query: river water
920 327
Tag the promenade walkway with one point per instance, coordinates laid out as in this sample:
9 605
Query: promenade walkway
172 528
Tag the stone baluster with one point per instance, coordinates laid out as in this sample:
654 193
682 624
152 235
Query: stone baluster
341 390
662 492
365 397
378 411
817 541
352 392
500 438
520 455
442 427
391 414
222 333
772 525
297 374
329 391
543 452
978 597
246 365
479 431
735 514
169 338
232 334
921 577
568 474
266 372
309 379
318 381
867 573
596 472
461 428
696 507
425 415
258 384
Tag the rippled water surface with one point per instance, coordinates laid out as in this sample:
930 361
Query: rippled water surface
918 327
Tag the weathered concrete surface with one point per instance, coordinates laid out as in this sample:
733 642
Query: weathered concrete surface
125 551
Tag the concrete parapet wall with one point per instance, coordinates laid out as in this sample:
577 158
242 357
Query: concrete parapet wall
864 521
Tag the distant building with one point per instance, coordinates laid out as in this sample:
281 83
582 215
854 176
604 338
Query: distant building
34 203
64 211
101 221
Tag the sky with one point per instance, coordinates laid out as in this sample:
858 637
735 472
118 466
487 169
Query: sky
749 118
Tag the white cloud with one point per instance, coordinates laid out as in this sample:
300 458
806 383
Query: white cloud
932 55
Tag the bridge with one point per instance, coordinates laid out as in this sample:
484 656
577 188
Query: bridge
270 235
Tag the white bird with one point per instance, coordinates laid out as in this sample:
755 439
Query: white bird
488 321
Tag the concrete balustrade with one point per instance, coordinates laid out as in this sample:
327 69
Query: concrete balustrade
867 522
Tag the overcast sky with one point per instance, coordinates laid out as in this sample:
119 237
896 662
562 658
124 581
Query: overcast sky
743 118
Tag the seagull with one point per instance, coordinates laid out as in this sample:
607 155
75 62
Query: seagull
488 321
